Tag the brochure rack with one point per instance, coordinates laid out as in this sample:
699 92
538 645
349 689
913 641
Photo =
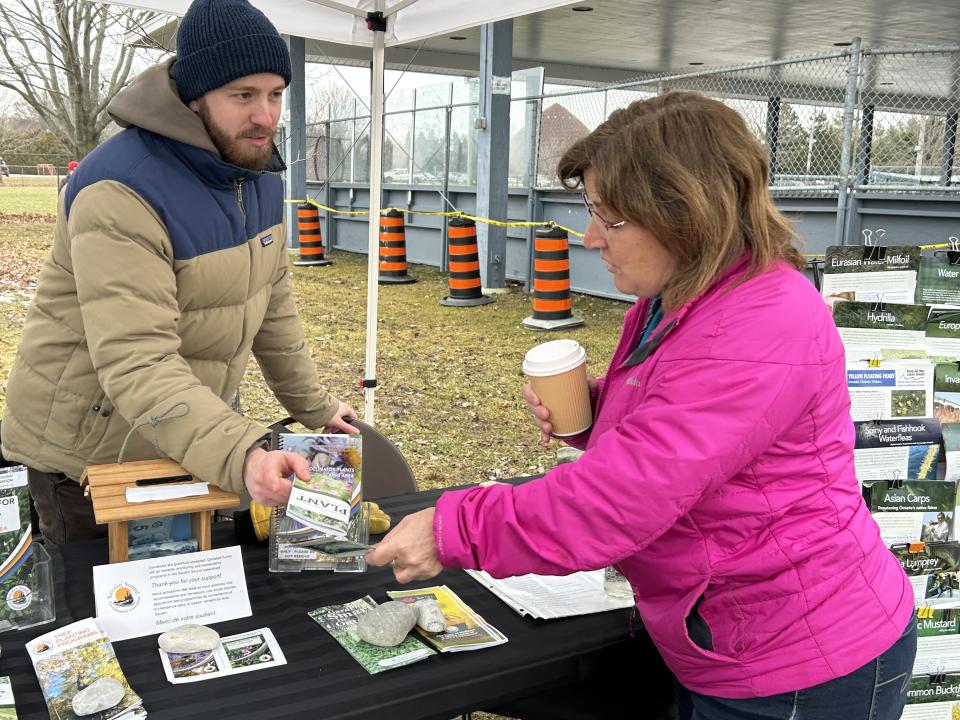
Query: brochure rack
108 486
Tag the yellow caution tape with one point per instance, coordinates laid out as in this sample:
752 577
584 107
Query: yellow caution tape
436 213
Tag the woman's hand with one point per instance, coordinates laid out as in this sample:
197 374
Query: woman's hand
541 415
409 548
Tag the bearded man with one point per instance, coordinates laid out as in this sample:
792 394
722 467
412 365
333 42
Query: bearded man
168 268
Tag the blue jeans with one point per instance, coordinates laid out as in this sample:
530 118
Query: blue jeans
877 691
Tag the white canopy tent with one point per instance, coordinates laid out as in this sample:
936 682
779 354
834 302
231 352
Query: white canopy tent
405 21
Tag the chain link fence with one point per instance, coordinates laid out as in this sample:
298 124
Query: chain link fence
874 120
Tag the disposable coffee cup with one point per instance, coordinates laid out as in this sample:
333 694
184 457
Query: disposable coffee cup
558 375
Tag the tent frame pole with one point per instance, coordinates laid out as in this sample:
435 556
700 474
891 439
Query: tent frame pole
373 238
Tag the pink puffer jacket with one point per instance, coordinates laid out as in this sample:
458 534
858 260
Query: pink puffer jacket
720 469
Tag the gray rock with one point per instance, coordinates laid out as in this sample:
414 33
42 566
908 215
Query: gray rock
429 616
189 639
388 624
102 694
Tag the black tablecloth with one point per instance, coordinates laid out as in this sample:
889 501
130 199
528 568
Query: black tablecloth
321 679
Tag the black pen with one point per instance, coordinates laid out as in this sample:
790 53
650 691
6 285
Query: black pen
164 480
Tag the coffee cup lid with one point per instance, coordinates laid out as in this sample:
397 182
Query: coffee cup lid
554 357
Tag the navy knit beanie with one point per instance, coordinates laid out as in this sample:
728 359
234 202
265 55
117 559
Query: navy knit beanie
219 41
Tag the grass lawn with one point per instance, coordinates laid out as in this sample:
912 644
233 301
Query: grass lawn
450 378
27 196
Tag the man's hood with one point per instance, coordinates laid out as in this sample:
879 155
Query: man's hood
151 102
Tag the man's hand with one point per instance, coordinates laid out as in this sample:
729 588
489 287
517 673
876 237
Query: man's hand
409 548
541 415
266 475
339 420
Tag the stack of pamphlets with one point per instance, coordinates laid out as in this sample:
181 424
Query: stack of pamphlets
895 389
341 622
868 273
932 570
933 697
8 710
69 659
323 525
547 597
241 653
913 510
899 449
466 630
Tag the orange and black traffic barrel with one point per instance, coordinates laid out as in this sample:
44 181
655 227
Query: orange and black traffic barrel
552 304
463 262
308 231
393 249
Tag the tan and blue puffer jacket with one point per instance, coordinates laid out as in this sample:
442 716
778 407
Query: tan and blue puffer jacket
168 268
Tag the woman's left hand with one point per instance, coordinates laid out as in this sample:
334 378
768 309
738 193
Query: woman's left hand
409 548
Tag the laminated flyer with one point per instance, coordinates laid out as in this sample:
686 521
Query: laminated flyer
946 392
895 389
932 571
254 650
898 449
911 511
466 630
887 330
870 273
933 697
938 640
943 335
938 281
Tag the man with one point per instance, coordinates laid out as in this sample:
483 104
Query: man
71 167
168 269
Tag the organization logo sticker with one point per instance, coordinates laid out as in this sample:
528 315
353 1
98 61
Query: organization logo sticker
124 597
19 597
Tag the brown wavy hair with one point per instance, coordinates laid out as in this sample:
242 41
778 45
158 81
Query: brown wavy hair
686 168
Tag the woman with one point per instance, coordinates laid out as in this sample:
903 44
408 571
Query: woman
718 474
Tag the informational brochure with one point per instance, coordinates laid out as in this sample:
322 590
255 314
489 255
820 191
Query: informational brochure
894 389
943 335
331 498
933 697
870 273
951 450
8 710
466 630
946 392
341 622
148 597
896 449
886 330
254 650
938 640
911 511
548 596
932 570
71 658
938 281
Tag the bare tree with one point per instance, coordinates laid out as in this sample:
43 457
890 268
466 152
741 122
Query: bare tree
67 59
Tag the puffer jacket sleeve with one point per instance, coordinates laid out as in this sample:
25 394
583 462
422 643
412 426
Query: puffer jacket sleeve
284 358
700 423
127 290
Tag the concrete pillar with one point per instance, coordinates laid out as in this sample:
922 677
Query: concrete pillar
493 148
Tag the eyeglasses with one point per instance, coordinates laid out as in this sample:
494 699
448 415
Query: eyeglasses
598 216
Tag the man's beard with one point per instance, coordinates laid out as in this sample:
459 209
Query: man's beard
233 149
